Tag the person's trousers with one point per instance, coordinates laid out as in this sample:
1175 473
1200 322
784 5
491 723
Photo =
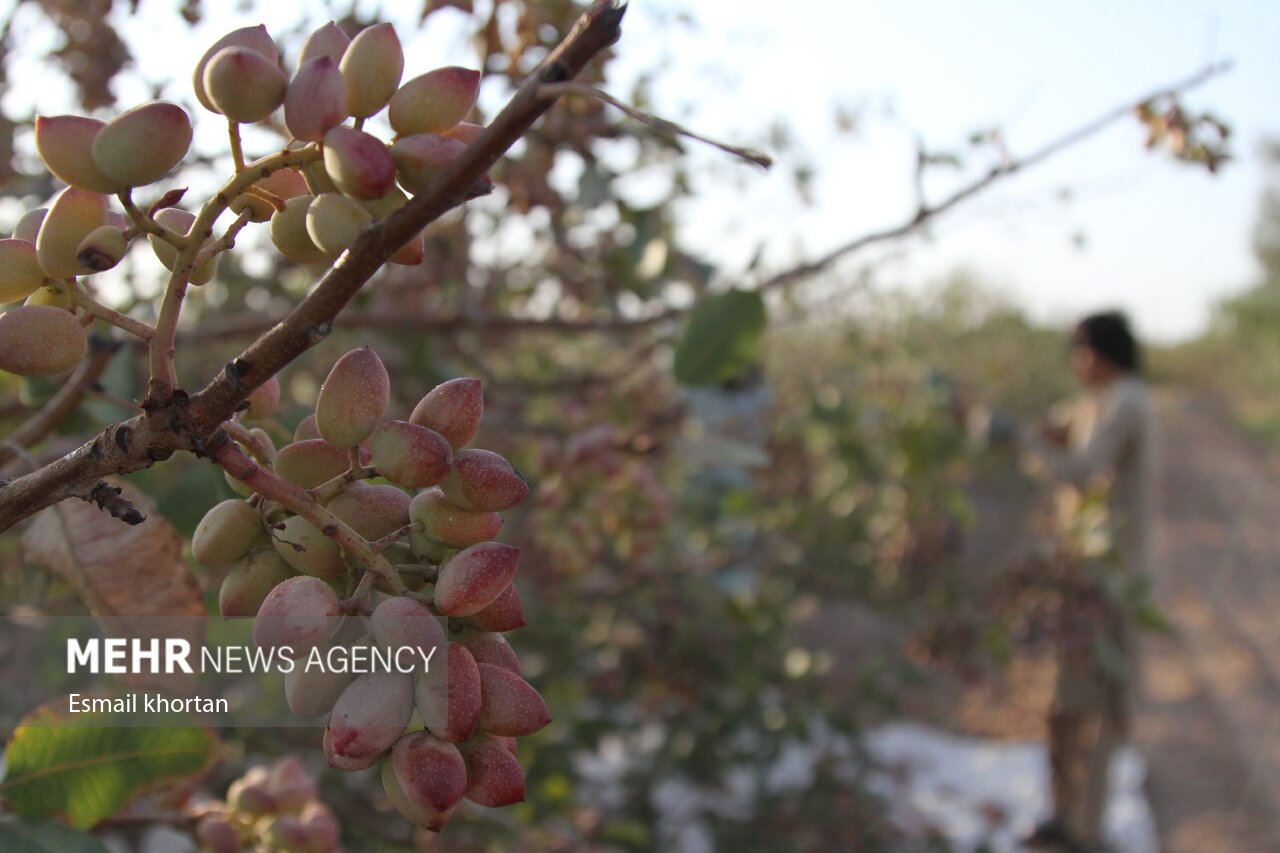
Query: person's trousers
1088 723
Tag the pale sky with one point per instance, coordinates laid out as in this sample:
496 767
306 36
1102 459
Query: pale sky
1160 238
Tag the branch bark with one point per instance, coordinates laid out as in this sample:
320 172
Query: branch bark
62 404
175 422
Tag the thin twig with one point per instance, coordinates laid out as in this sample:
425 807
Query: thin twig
96 309
228 239
660 125
1009 165
233 460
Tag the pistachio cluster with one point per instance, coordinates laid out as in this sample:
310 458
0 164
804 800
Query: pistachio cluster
330 180
409 562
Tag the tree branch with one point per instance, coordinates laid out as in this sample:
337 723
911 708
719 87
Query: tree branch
926 212
172 423
62 404
221 328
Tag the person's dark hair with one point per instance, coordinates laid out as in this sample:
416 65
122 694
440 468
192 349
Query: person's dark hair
1108 335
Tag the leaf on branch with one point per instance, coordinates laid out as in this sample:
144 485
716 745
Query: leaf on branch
88 773
132 579
23 836
721 340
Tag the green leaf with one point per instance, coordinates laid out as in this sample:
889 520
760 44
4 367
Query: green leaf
721 340
87 773
21 836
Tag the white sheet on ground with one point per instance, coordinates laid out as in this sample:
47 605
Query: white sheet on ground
974 791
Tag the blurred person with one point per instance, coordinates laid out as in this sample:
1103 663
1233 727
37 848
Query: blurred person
1097 446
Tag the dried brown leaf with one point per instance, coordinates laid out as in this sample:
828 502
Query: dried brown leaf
131 578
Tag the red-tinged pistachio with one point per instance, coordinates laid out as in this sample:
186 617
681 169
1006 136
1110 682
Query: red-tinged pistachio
40 340
409 455
284 184
334 222
20 273
402 623
299 615
28 226
412 253
313 691
368 718
310 462
488 647
308 551
228 531
254 38
289 232
508 704
323 833
424 778
249 795
494 776
358 163
316 99
72 216
249 582
244 85
140 146
449 701
439 521
483 480
306 429
372 511
289 783
474 578
372 66
506 613
217 834
465 132
421 157
453 409
102 249
65 145
263 400
330 41
435 101
353 399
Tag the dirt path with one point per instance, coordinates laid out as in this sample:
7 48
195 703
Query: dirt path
1210 718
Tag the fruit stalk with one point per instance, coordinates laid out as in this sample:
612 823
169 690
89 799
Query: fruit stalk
233 460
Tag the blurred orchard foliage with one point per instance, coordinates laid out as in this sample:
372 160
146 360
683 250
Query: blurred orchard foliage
699 487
